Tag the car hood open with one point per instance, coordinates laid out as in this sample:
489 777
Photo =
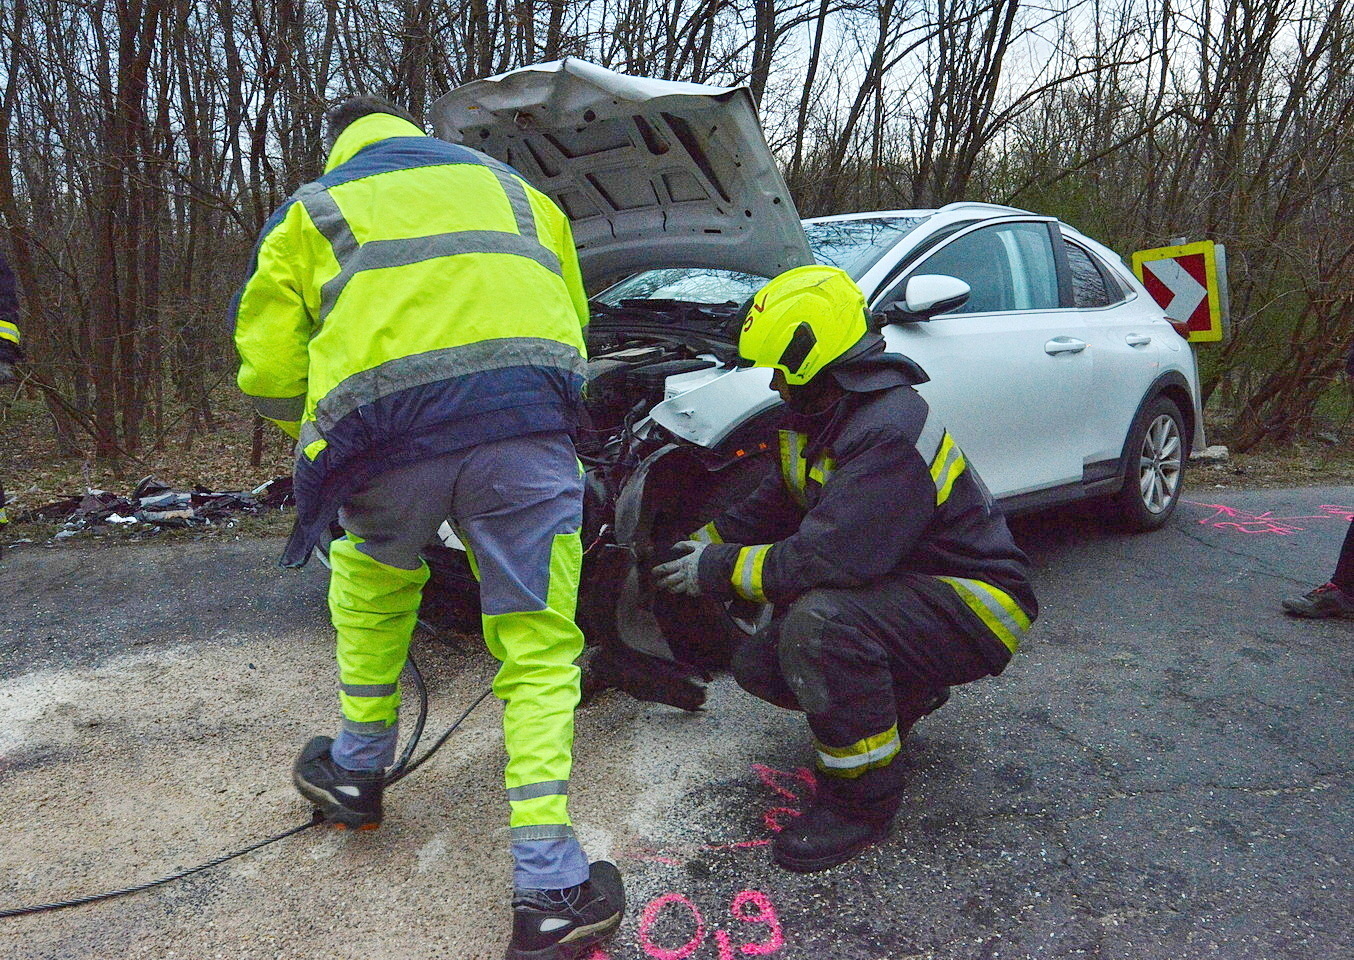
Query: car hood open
651 173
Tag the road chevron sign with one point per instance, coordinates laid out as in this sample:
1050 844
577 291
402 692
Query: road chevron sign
1189 283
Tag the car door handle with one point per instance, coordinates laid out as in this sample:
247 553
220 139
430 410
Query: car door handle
1064 345
1137 340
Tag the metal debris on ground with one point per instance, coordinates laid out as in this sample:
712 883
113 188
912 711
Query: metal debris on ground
158 505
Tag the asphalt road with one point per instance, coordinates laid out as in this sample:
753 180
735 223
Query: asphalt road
1163 771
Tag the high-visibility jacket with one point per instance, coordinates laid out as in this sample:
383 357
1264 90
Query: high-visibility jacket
416 299
10 340
876 485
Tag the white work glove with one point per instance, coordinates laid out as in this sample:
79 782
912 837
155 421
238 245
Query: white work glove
683 574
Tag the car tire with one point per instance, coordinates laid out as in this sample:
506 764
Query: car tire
1154 468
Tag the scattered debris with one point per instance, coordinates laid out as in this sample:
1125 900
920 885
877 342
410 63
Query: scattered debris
157 505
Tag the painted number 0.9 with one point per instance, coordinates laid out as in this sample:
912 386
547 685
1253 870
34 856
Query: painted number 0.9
749 906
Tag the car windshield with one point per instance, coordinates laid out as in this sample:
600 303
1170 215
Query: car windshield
853 245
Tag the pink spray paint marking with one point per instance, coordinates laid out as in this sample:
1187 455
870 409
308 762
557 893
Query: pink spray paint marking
650 916
773 778
753 906
1232 518
774 817
749 906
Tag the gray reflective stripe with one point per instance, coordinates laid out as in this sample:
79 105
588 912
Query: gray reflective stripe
881 752
517 199
708 534
368 386
365 726
545 832
532 791
368 689
748 575
280 408
310 432
354 257
329 220
382 254
928 443
1005 619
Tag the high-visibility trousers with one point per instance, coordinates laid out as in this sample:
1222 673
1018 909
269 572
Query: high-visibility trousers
517 505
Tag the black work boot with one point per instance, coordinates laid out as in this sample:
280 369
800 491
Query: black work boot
824 837
345 798
567 924
847 815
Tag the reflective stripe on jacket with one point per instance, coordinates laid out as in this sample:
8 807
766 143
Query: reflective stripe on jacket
418 298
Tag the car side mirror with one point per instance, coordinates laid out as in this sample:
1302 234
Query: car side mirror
926 296
932 294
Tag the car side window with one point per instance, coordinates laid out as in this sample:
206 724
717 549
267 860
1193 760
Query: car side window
1090 287
1009 266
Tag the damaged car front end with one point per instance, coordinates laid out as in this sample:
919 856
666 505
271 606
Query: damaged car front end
657 178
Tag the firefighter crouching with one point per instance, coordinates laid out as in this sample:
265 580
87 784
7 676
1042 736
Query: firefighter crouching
891 570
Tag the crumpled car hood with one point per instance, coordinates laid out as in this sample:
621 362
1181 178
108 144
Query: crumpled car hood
651 173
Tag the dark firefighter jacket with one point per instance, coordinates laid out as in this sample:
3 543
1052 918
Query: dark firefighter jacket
417 299
875 485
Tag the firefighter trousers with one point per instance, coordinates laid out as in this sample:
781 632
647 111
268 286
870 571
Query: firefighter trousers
864 663
517 506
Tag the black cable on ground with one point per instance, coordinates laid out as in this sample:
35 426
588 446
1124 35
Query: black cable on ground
402 769
394 777
95 898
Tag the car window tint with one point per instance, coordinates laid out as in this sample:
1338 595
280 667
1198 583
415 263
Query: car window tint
1007 267
1089 288
856 245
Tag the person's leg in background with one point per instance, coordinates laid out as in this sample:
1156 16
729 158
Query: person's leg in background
1334 598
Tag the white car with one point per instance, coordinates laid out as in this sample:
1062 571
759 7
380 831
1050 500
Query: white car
1058 373
1051 365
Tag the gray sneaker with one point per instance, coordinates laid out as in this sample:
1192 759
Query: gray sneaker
1325 602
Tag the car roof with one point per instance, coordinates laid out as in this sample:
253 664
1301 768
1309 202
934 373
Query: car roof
963 209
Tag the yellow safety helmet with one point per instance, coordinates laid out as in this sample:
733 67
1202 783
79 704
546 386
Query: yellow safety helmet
803 320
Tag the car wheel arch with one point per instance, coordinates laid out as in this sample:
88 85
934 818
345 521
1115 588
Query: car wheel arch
1173 386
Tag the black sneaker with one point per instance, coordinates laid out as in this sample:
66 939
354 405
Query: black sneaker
1324 602
345 798
824 837
567 924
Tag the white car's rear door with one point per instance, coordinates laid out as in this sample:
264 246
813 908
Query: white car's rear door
1011 369
1127 339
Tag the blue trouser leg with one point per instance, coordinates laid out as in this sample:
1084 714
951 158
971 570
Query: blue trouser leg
518 505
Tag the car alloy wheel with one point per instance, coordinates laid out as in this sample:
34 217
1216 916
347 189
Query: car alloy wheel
1159 464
